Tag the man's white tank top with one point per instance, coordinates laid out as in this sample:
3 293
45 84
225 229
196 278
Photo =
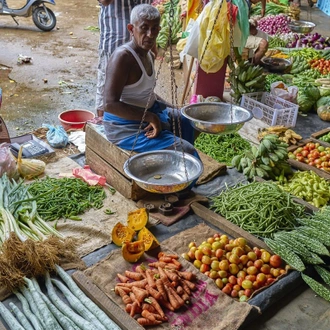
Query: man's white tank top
138 93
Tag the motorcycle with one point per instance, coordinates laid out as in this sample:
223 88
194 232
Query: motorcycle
42 17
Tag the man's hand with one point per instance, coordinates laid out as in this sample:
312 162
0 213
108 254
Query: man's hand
153 128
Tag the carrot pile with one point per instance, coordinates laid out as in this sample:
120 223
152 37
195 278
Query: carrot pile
146 291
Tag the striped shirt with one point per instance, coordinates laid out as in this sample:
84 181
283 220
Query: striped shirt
113 20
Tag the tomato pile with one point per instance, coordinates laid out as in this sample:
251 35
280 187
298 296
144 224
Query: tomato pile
313 154
321 65
238 269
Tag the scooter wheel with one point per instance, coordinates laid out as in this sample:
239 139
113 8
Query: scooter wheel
43 20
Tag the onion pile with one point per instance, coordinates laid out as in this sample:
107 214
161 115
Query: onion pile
274 24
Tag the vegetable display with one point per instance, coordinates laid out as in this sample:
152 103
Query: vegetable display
65 197
274 24
222 147
237 269
309 40
268 160
260 208
307 246
147 290
325 137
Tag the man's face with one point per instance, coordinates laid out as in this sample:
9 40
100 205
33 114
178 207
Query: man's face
145 33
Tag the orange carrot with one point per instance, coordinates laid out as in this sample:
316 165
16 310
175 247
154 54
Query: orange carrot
163 277
154 303
157 295
179 290
186 298
126 289
126 299
128 308
138 284
148 307
160 254
157 264
122 278
133 275
170 265
150 279
172 299
187 275
146 314
186 287
161 289
132 296
163 254
192 286
165 259
171 275
143 321
134 309
140 294
141 269
167 305
159 318
177 263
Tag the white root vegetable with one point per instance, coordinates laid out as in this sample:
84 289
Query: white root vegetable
64 308
78 306
21 317
47 316
27 311
9 318
102 317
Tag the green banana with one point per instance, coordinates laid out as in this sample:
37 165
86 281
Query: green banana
236 160
273 157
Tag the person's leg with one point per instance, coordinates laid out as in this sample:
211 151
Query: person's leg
101 68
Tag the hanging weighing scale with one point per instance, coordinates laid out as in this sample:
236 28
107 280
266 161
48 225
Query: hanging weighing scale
171 171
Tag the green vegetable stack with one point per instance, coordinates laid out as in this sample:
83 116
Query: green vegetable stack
246 78
222 147
299 65
307 245
266 161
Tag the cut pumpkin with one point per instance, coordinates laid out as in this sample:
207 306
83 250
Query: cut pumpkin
138 219
132 251
121 233
150 241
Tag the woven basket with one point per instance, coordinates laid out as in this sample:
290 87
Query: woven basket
4 135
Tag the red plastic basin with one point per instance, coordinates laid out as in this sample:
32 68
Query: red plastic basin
75 119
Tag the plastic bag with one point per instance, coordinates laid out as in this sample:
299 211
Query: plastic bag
288 93
216 49
7 162
56 136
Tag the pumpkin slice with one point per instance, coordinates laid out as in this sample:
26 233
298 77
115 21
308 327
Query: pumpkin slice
121 233
132 251
138 219
150 241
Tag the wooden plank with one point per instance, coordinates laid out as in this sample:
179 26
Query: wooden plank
118 315
105 149
2 327
126 187
225 225
318 134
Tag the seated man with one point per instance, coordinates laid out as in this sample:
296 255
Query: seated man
256 44
129 90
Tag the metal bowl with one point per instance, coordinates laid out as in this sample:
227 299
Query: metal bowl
163 171
301 26
216 117
274 64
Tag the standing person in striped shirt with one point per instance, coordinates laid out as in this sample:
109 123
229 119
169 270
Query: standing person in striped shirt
113 19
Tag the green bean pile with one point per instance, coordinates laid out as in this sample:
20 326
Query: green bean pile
222 147
260 208
65 197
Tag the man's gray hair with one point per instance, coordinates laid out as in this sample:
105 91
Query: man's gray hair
144 11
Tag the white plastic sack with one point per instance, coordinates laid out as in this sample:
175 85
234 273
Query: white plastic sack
288 93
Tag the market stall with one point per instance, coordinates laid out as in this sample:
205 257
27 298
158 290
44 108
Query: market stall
252 230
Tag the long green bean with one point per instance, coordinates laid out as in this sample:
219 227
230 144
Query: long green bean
65 197
260 208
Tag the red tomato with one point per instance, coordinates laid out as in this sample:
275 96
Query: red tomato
275 261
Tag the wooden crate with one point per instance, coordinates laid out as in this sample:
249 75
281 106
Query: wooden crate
316 136
303 166
106 159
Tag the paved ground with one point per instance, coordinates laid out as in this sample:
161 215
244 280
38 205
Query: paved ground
62 76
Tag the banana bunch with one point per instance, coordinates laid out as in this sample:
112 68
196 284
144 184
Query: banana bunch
268 160
323 86
284 134
246 78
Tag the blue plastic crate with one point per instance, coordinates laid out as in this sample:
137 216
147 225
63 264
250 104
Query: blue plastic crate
324 5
